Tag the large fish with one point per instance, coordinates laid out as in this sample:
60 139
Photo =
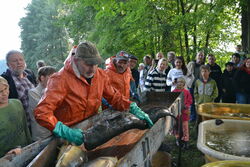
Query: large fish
118 123
73 156
155 113
105 130
102 162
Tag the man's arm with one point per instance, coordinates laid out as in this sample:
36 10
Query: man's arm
114 97
121 103
44 112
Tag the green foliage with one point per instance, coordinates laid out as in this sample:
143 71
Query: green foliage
141 26
42 36
137 26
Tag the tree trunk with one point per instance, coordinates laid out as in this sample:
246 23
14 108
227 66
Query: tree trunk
194 35
185 29
248 15
179 31
245 25
207 42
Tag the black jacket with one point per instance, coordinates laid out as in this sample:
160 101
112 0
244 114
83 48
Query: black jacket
12 86
216 75
136 76
227 82
242 81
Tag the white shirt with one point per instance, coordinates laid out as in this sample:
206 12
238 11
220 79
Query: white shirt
172 75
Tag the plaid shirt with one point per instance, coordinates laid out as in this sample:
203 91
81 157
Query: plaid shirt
23 85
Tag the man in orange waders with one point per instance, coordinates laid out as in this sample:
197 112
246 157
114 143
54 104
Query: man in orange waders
74 94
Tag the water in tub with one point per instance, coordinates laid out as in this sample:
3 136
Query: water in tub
230 142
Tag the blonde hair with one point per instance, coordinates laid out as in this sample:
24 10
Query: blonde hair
181 79
3 81
162 60
159 53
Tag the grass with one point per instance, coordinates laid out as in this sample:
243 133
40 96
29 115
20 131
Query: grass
189 158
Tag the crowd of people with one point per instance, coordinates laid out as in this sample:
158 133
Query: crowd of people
32 111
35 108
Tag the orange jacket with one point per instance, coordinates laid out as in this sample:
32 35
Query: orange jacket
70 99
121 82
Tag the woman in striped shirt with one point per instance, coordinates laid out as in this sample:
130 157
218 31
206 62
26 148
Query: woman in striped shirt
156 79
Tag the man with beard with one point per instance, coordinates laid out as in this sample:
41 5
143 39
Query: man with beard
75 93
20 79
119 73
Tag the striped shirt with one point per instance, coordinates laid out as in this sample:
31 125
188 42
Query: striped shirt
156 81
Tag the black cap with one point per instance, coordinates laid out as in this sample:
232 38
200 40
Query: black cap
132 57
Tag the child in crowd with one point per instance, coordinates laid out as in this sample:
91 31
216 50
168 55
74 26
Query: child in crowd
180 70
205 89
180 87
14 132
38 132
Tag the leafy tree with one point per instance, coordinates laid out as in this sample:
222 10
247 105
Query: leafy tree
245 21
42 36
138 26
149 26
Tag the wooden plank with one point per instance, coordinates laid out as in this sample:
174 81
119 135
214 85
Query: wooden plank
143 151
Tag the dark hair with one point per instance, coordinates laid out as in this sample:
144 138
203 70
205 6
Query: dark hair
183 66
210 55
229 64
45 71
236 55
40 63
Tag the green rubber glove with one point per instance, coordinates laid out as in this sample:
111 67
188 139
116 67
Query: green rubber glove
134 109
69 134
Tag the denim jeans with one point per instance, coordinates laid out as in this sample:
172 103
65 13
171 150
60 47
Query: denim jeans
192 108
242 98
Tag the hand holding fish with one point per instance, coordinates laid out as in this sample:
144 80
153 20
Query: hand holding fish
69 134
134 109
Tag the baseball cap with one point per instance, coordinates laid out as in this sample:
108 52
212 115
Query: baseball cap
89 53
122 55
133 57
